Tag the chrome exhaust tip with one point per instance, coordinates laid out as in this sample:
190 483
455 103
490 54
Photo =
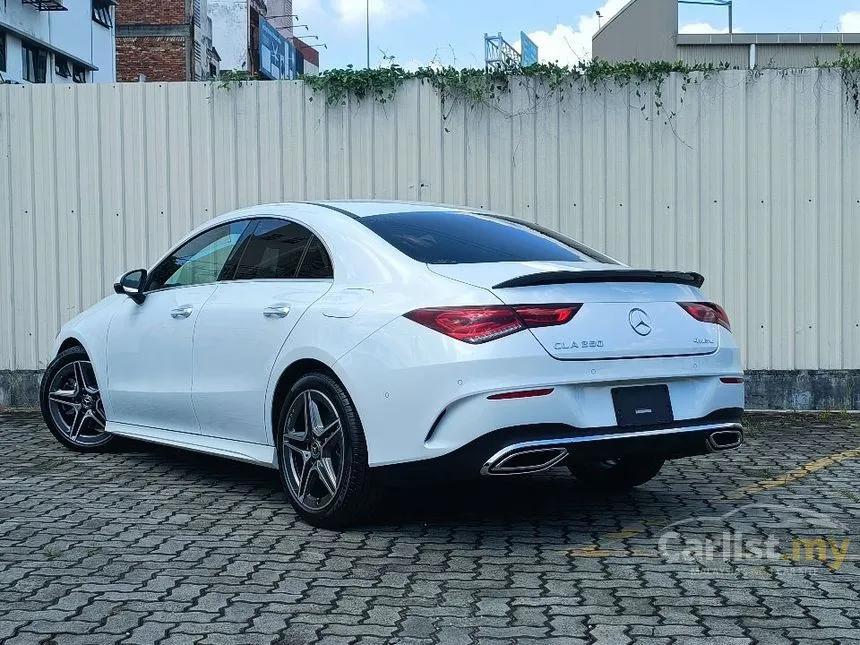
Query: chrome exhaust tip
725 440
521 462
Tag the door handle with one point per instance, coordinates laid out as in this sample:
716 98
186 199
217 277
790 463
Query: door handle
276 311
182 312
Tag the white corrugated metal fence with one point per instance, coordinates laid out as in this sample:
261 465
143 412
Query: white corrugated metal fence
754 182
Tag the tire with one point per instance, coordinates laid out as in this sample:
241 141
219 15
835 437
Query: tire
71 403
616 475
322 454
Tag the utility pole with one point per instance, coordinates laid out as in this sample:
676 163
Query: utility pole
368 33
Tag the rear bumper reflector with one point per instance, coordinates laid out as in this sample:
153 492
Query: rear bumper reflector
732 379
522 394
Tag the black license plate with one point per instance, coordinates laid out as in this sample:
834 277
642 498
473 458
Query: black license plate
642 406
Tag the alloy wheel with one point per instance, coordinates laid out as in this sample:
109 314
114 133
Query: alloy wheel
75 404
313 450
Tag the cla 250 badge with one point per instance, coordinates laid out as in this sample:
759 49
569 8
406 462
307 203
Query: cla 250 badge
583 344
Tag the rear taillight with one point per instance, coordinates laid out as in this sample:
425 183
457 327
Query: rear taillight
469 324
546 315
480 324
707 312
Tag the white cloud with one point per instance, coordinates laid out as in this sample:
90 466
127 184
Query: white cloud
567 45
353 12
850 22
702 28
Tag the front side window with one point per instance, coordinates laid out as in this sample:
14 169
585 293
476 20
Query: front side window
273 251
35 61
450 237
199 261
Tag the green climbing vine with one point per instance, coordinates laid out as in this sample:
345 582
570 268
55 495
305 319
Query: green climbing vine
233 77
476 86
848 63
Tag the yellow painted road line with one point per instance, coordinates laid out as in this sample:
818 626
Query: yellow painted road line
594 552
623 533
795 474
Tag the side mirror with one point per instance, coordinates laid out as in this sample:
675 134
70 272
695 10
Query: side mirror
131 284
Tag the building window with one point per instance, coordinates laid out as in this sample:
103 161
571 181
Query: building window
62 66
2 51
66 68
35 61
101 12
79 74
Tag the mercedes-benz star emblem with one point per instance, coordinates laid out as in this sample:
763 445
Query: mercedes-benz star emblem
640 322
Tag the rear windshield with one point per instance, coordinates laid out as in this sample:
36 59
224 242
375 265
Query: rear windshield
440 237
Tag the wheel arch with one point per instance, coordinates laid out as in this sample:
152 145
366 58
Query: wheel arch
92 345
288 377
68 343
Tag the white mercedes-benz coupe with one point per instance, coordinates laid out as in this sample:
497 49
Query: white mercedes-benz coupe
353 345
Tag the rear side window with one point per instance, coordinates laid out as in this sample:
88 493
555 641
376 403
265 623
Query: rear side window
316 263
461 238
278 249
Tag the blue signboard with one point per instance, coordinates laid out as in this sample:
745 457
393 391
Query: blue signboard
277 56
529 50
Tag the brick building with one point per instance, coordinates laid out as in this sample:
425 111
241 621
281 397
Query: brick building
164 40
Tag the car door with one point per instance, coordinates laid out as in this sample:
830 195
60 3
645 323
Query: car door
149 345
281 269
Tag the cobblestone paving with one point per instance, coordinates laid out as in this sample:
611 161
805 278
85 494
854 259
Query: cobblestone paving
148 545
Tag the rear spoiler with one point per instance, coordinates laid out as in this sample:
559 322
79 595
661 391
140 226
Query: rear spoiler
603 275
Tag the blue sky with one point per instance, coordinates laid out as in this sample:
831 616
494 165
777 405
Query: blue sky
420 32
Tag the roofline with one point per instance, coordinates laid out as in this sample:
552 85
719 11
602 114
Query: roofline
768 38
343 206
333 208
764 38
618 13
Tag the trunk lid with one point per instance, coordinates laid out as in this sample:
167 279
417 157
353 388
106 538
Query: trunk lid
626 313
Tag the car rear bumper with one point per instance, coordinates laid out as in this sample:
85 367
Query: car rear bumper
532 448
422 395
